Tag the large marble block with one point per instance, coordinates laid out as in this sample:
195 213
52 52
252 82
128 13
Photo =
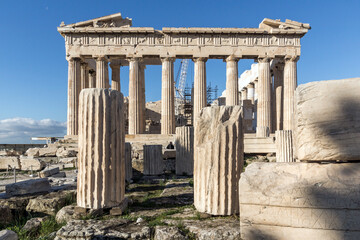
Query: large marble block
300 201
184 150
327 122
218 159
8 161
101 164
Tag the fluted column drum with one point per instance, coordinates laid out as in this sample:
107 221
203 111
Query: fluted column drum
101 164
284 146
218 159
184 150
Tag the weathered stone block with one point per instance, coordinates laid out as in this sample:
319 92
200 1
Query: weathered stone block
218 159
300 201
327 122
184 150
6 161
49 151
31 163
153 161
28 187
49 172
32 152
65 153
101 165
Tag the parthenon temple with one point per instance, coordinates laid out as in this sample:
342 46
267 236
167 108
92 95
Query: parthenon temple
94 45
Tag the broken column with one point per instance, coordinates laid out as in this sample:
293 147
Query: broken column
284 146
218 159
184 150
128 162
101 176
153 160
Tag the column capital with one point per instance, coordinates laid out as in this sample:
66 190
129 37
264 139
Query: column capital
199 59
167 59
115 65
262 59
291 58
100 58
134 59
250 85
231 58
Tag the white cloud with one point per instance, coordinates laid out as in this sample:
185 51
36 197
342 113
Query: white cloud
20 130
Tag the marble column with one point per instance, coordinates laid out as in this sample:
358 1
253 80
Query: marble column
135 95
115 77
200 100
73 95
263 128
232 88
251 92
290 84
278 91
167 97
101 165
142 68
84 78
102 73
92 79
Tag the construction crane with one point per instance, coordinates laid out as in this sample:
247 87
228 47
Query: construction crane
180 84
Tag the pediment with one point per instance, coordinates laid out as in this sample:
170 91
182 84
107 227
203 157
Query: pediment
113 20
269 24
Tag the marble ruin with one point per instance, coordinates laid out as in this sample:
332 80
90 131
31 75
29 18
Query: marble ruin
111 39
218 159
101 163
284 157
184 145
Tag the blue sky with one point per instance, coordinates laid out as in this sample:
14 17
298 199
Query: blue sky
33 69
